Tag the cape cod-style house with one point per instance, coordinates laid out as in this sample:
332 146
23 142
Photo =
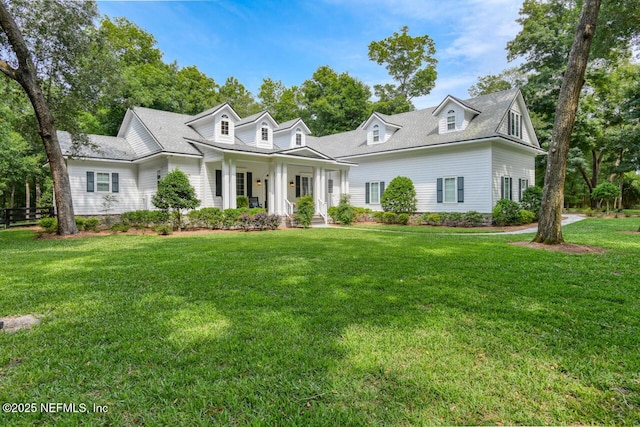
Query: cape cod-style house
461 155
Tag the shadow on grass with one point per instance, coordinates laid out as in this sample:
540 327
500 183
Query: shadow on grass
320 327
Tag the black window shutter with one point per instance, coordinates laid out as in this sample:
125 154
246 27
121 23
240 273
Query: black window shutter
115 182
249 184
218 183
90 182
509 123
297 186
520 187
502 183
520 128
461 189
381 189
439 191
366 193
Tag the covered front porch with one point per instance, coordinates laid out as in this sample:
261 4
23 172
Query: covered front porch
274 182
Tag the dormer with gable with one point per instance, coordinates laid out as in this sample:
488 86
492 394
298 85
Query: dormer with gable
379 129
257 130
291 134
217 124
517 123
453 115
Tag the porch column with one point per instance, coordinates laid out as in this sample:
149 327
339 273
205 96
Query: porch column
232 184
271 190
225 184
277 202
344 181
285 184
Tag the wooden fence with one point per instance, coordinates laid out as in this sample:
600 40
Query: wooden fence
24 216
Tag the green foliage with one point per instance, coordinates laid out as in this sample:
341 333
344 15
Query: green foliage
526 217
399 196
163 229
532 200
144 218
377 216
473 219
506 212
92 224
431 218
120 226
389 217
206 217
304 211
606 192
345 213
175 194
452 219
403 218
80 223
507 79
242 202
410 61
50 225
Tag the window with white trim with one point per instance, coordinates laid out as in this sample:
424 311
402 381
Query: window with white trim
450 189
103 182
299 137
240 187
265 132
373 192
376 133
514 124
224 125
451 120
506 191
523 184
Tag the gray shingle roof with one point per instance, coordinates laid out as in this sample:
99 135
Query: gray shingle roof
100 147
205 113
169 129
420 129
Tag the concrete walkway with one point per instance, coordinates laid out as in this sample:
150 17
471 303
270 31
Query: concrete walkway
566 219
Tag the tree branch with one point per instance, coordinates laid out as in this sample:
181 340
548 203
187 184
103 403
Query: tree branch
8 70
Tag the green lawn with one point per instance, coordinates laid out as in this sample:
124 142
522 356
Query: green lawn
324 327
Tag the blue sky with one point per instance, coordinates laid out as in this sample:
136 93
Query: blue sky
289 40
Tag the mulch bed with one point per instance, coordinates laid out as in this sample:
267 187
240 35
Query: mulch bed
568 248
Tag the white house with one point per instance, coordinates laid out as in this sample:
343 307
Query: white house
460 155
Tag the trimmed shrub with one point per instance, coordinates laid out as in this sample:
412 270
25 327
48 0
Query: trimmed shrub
389 217
120 226
163 229
361 214
244 221
92 224
526 217
432 218
403 218
532 200
473 219
80 223
304 211
377 216
332 211
273 221
399 196
230 218
242 202
50 225
506 212
346 213
176 194
452 219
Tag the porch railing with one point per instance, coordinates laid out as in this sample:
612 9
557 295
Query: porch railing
24 216
321 208
288 208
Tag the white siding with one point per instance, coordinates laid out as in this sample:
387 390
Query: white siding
91 203
219 137
210 199
148 180
206 128
284 140
517 164
247 134
139 138
526 137
382 132
473 162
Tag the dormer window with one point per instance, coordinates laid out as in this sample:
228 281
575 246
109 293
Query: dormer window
265 131
224 125
299 137
451 120
514 124
376 133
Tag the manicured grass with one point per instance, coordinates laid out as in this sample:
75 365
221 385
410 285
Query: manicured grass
423 229
324 327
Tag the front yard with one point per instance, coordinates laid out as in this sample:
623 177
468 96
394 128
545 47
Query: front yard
323 327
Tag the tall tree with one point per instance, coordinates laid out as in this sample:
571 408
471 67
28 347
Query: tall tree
47 53
410 62
507 79
550 223
238 97
334 102
282 102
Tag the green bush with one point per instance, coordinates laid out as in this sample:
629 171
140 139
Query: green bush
144 218
473 219
403 218
452 219
242 202
92 224
50 225
80 223
361 214
163 229
526 217
389 217
332 211
432 218
120 226
606 192
175 194
532 200
211 217
304 211
230 217
346 213
399 196
377 216
506 212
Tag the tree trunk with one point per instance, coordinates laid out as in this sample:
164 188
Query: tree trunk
550 224
25 74
12 196
38 191
27 196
